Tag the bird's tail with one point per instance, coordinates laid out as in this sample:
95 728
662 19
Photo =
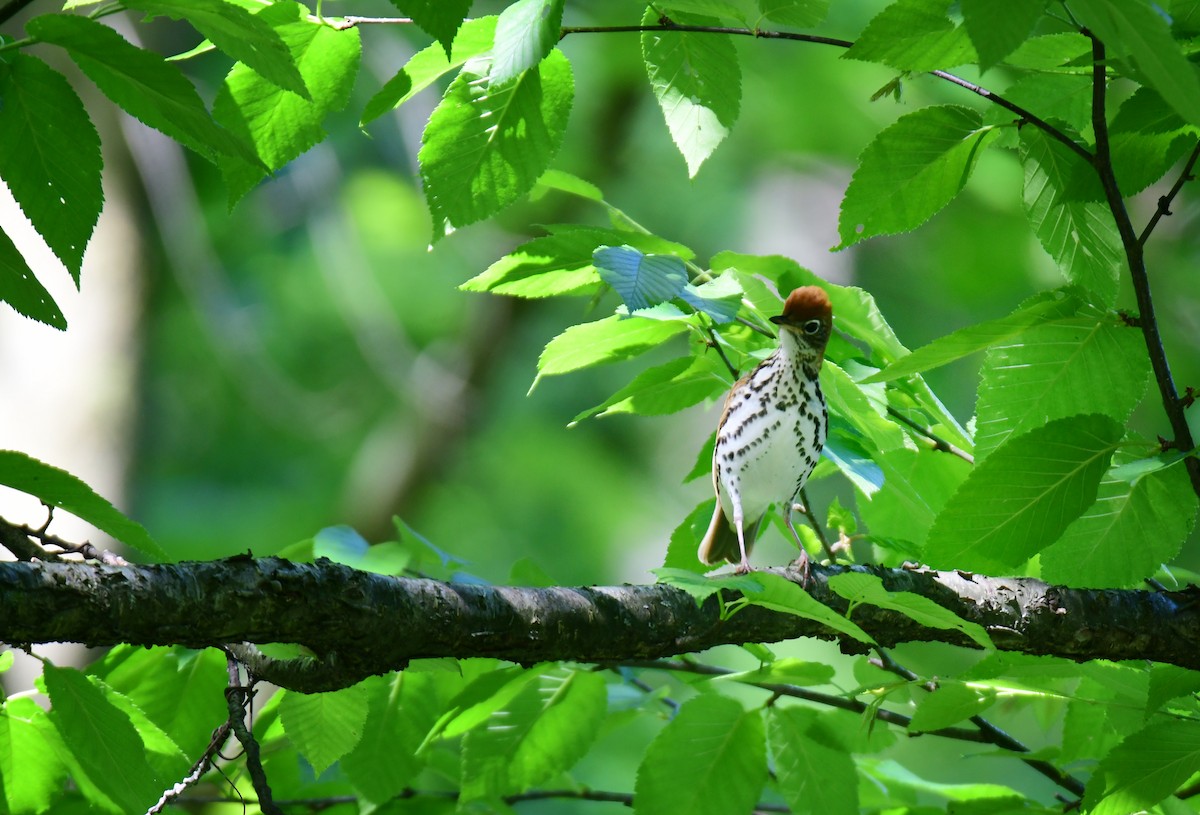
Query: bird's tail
721 541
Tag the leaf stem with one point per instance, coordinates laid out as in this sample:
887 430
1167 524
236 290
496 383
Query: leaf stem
938 442
1135 257
1164 203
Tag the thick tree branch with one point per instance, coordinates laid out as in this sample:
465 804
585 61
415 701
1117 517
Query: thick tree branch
358 624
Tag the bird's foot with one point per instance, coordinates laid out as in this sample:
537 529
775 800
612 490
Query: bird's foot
743 568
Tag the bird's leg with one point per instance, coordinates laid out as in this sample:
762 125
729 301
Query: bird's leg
744 566
801 562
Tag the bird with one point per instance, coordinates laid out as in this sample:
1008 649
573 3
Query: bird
771 433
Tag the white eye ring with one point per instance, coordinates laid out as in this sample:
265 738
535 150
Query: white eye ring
812 326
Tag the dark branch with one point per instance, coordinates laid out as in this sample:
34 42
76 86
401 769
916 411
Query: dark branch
938 442
1164 203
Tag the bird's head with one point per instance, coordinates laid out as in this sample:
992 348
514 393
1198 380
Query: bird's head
808 317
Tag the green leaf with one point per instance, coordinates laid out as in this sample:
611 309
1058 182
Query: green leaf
666 388
324 726
915 488
1080 236
1127 534
102 740
709 760
949 705
701 587
561 263
609 340
913 35
1023 496
812 777
788 670
401 709
1059 369
1147 138
21 290
541 732
1144 769
280 124
1140 29
1038 309
720 298
237 32
430 64
526 32
60 489
780 594
44 122
697 82
441 19
31 771
484 147
911 170
640 280
860 588
797 13
997 29
864 407
145 85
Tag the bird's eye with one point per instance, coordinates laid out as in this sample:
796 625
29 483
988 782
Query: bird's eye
812 327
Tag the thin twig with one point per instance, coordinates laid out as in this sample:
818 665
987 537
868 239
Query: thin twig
1102 162
219 737
806 510
1164 202
715 343
938 442
237 697
341 24
9 11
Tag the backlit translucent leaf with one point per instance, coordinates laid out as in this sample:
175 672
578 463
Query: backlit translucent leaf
141 82
949 705
30 769
868 588
102 740
526 32
911 170
812 776
666 388
609 340
1071 366
780 594
237 32
1040 308
1079 235
864 407
1127 534
697 82
59 488
1023 496
401 709
915 488
640 280
720 298
280 124
709 760
797 13
485 146
324 726
997 29
1144 769
913 35
428 65
685 540
50 161
442 19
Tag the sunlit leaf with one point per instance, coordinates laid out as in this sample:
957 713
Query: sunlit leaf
325 726
813 777
526 32
1145 768
913 35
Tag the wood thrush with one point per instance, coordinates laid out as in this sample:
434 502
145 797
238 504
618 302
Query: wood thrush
771 433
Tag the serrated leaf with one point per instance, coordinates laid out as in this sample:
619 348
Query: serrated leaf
1140 29
1144 769
324 726
864 407
948 705
974 338
441 19
279 124
484 147
561 263
860 588
1080 236
102 740
60 489
709 760
698 84
1127 534
1169 682
430 64
720 298
912 169
1059 369
1023 496
526 32
666 388
813 777
780 594
640 280
915 488
401 709
797 13
31 769
141 82
997 29
913 35
43 123
539 733
609 340
21 290
237 32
